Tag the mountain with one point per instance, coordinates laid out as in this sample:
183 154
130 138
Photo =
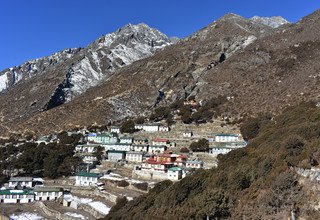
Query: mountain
133 90
257 67
92 64
275 21
44 83
271 178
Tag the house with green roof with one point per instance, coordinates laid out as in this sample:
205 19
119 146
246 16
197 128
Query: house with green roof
175 173
103 138
116 155
16 196
86 178
44 193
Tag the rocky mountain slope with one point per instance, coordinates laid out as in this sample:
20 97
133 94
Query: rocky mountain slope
259 68
275 21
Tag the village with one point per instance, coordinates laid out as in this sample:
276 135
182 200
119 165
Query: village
116 165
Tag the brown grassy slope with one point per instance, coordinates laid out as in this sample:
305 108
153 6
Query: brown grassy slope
251 183
134 89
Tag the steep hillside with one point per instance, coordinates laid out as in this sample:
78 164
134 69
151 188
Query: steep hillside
259 69
45 83
176 70
256 182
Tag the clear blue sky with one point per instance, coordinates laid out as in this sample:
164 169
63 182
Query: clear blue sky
34 28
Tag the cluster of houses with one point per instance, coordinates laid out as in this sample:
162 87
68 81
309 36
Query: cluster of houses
27 190
224 143
117 148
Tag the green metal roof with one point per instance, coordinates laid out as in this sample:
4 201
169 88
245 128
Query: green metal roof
48 189
16 192
86 174
230 135
175 169
116 151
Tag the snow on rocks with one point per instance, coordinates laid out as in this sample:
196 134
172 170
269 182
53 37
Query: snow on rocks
275 21
26 216
75 215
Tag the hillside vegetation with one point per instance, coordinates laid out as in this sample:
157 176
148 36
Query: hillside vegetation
257 182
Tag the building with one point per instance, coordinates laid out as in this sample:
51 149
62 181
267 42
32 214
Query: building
117 146
47 193
227 138
196 164
126 140
86 148
104 138
219 150
187 134
139 141
134 156
161 141
164 128
181 161
86 179
116 155
157 149
43 139
115 129
20 182
147 127
140 147
16 196
88 158
152 164
174 173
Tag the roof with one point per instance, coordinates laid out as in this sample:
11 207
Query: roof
195 161
86 174
21 179
175 169
116 151
156 146
135 152
155 124
230 135
161 140
126 138
16 192
153 161
47 189
118 144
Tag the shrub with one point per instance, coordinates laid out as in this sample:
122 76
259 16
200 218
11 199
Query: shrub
127 127
184 150
141 186
200 145
123 183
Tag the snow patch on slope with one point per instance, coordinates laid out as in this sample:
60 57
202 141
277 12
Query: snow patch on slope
275 21
3 82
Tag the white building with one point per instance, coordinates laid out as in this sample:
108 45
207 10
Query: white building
187 134
115 129
126 140
20 182
117 146
147 127
86 179
157 149
140 147
86 148
227 138
219 150
194 164
175 173
47 193
16 196
134 156
116 155
164 128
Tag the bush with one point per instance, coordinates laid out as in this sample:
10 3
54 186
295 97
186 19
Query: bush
184 150
200 145
120 202
127 127
141 186
122 183
160 113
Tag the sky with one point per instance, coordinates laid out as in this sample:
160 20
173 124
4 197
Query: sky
32 29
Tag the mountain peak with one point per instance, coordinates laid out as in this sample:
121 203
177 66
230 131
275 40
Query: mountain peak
274 21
